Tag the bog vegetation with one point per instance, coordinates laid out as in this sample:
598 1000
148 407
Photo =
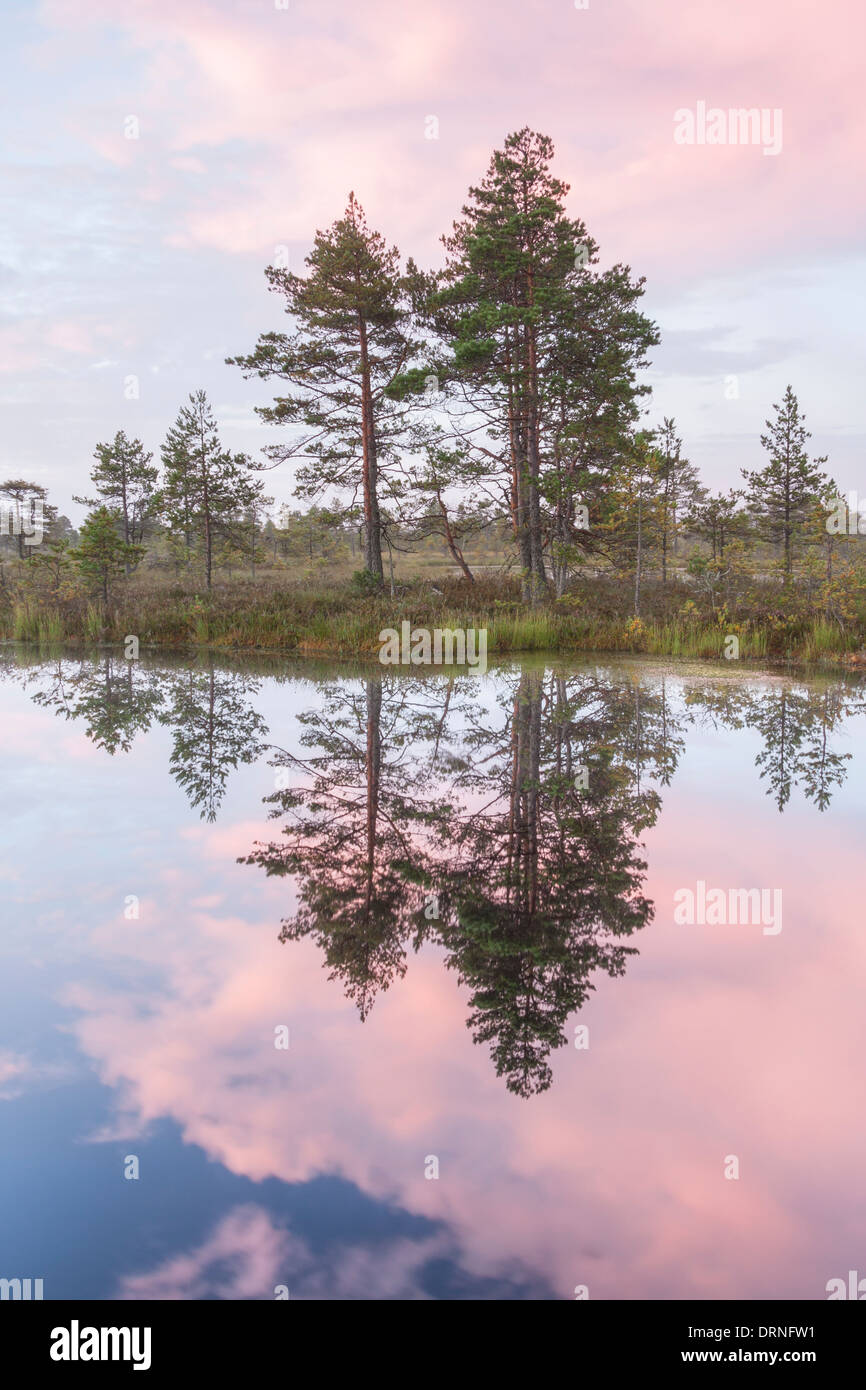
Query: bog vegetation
473 446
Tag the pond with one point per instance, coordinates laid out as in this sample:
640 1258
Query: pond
323 981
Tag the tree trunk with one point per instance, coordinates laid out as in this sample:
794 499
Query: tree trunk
372 524
125 505
208 539
456 552
390 562
372 769
538 577
637 571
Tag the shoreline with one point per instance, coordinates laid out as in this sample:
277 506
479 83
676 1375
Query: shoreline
839 662
339 621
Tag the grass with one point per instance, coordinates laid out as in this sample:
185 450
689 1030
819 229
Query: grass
337 620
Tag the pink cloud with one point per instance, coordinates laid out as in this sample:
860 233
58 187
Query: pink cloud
627 1148
39 342
248 1256
604 82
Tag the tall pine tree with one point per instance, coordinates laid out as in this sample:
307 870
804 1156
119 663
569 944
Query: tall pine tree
349 340
542 350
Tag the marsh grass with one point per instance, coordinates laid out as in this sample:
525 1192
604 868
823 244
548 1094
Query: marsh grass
336 620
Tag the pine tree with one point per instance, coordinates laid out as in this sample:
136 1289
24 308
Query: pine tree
542 349
507 260
20 503
783 492
680 488
349 341
54 562
635 517
101 555
717 520
591 402
434 469
206 490
125 481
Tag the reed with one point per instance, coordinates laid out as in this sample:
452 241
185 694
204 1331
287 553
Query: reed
339 620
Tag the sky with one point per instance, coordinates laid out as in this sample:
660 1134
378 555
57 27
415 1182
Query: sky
157 156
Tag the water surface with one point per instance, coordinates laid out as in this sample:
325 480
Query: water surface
509 1071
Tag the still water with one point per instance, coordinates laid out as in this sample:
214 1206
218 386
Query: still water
319 982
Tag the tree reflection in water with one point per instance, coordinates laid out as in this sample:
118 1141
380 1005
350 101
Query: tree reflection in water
497 820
